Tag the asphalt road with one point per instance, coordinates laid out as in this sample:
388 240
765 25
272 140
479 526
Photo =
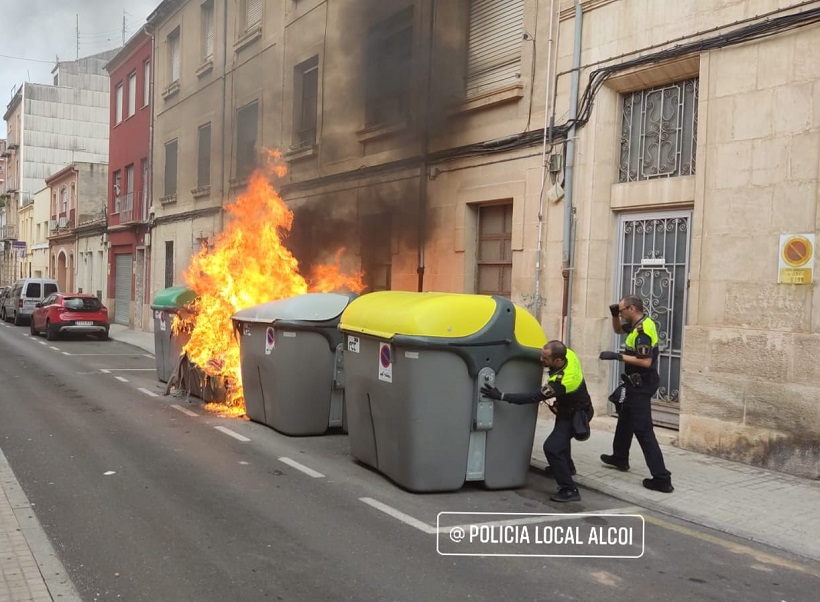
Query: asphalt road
147 497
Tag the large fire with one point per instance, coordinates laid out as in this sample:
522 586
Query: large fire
248 265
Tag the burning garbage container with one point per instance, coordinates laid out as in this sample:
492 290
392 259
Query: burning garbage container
414 366
291 362
168 345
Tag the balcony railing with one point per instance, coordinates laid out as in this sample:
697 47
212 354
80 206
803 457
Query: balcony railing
131 208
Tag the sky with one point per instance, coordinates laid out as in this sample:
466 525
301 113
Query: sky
33 33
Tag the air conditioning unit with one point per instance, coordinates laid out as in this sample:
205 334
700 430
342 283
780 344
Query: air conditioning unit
146 240
151 211
63 222
52 225
104 238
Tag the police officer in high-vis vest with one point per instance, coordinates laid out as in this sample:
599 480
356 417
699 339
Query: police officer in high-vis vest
566 385
641 380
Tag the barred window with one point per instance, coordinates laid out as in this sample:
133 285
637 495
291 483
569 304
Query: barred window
659 132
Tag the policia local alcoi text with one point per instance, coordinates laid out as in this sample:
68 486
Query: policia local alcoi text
551 534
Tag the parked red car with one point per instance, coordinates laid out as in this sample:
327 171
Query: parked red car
70 312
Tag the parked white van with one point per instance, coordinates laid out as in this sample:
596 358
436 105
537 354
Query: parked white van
23 296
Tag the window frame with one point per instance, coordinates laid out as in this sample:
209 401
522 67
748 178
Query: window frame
203 173
132 93
302 128
118 102
171 174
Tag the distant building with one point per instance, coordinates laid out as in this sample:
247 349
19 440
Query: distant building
129 172
77 258
49 127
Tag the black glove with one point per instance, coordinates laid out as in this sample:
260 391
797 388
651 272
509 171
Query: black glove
613 309
491 392
610 355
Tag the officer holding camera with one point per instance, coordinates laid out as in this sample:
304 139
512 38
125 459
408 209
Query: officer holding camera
641 380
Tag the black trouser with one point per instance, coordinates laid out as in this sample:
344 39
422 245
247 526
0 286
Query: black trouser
635 418
558 452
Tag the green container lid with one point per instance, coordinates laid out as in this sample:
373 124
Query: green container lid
174 297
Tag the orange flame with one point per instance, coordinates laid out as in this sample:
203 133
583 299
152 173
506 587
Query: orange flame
248 265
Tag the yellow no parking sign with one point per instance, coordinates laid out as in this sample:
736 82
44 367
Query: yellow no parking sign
796 259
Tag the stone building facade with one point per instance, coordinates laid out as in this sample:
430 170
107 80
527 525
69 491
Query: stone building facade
562 153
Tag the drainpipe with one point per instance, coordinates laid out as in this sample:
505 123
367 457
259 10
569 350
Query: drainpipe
425 144
567 259
149 259
547 148
224 91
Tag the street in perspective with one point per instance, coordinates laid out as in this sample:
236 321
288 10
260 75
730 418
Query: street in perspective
410 300
122 492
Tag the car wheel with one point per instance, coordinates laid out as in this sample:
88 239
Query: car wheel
103 336
3 315
31 328
52 332
17 320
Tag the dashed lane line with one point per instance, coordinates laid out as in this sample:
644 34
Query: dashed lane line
231 433
528 520
399 515
147 392
54 348
185 411
122 379
301 467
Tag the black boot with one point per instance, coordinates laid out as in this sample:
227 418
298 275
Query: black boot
622 465
658 485
566 494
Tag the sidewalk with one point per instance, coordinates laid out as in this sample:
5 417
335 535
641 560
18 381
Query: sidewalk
761 505
764 506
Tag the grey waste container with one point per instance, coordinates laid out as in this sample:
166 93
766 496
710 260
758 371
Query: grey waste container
167 345
414 366
290 354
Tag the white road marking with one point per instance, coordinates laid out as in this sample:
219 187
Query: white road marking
532 520
308 471
66 353
105 371
147 392
55 348
111 354
42 342
185 411
122 379
425 528
399 515
108 473
231 433
147 355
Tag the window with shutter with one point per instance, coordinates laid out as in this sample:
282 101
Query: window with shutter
132 93
496 36
203 175
146 83
253 13
306 99
208 29
247 119
494 269
118 104
389 69
171 168
173 56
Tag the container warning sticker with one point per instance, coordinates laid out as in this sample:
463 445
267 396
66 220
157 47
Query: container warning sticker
270 340
385 363
162 323
353 344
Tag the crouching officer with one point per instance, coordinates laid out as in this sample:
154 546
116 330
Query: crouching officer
565 384
641 380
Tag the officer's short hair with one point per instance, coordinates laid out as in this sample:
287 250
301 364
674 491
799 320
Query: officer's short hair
633 300
557 349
